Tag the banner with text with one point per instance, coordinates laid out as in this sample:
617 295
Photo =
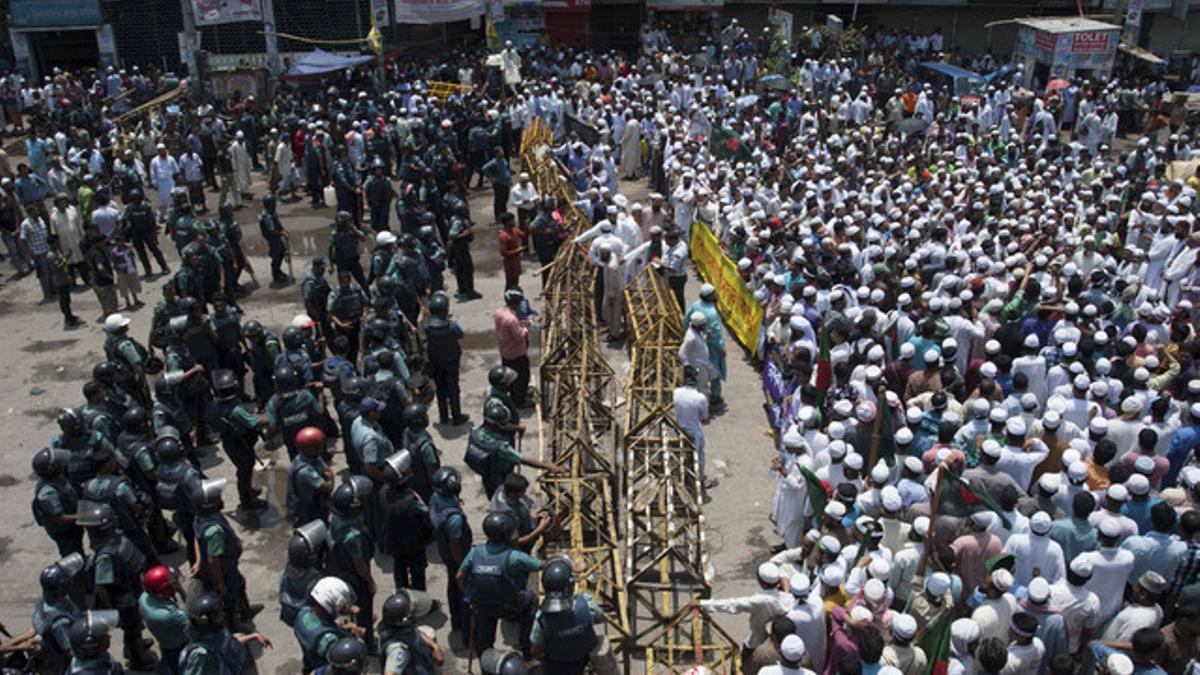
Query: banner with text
213 12
741 312
437 11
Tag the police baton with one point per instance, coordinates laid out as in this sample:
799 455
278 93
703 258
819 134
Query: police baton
471 645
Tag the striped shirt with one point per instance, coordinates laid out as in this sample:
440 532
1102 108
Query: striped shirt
35 235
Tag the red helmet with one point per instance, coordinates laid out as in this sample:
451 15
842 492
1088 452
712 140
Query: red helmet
159 581
310 438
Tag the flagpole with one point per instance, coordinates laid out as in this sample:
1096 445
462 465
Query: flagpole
933 515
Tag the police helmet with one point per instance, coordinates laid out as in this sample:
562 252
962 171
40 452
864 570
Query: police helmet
50 462
189 251
310 438
439 304
407 240
252 328
513 296
102 454
342 217
104 371
134 419
70 420
225 385
268 200
462 209
500 528
378 329
347 499
495 413
447 481
159 581
496 662
208 500
135 194
168 450
352 387
293 338
225 210
285 378
163 389
332 595
205 611
95 516
348 655
501 377
56 579
416 416
398 609
558 583
90 633
548 203
397 468
386 286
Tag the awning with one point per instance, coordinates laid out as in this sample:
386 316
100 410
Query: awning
1139 53
320 62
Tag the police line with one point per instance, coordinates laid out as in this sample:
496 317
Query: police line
739 309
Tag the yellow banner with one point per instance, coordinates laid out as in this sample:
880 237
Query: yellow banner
735 301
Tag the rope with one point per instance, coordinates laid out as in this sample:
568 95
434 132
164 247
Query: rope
315 41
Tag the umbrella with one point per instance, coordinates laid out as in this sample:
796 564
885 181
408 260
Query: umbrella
746 101
778 82
1056 84
910 125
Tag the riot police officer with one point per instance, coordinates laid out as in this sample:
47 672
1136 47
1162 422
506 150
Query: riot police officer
378 190
118 493
96 416
491 455
310 480
116 399
165 619
190 281
403 647
564 634
291 408
276 237
500 382
135 454
381 259
347 407
219 550
433 255
226 323
56 501
128 355
231 231
295 356
458 241
116 566
493 577
426 459
404 523
314 291
343 247
80 442
443 351
453 535
352 546
91 635
263 348
177 484
141 225
346 305
211 647
305 563
317 627
371 444
168 416
56 611
238 430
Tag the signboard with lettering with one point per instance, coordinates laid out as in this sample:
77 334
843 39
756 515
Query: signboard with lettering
1090 42
54 13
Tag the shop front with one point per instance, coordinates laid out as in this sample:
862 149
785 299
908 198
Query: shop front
67 34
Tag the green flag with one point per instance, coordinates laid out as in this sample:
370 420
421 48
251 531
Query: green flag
936 645
961 500
817 497
726 144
